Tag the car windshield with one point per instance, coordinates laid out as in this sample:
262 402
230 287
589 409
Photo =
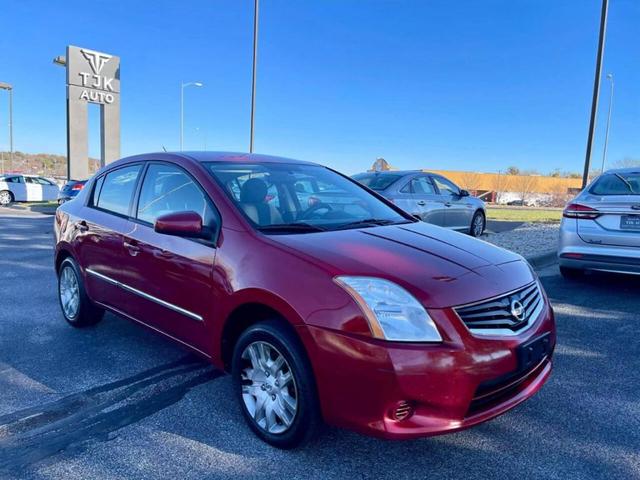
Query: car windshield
377 181
617 184
297 198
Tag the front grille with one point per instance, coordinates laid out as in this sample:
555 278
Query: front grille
507 314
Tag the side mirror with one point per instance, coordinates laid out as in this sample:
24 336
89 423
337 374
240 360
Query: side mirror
464 193
180 224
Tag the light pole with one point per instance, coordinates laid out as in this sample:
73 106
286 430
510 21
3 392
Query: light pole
9 88
606 136
596 91
182 87
255 64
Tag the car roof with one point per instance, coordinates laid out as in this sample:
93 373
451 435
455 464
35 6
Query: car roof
393 172
402 172
225 157
624 170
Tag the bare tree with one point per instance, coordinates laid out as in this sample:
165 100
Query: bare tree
471 181
627 162
525 184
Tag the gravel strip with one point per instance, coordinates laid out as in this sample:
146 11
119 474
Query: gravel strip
529 240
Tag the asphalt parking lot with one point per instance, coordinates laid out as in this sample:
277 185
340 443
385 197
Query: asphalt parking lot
116 401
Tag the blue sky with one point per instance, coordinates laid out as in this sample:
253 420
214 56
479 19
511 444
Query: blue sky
476 85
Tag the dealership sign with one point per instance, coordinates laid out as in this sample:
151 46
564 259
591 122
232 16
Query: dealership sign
96 73
92 77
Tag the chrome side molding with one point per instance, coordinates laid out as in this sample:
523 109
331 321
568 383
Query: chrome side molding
144 295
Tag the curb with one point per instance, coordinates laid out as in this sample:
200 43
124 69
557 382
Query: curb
543 259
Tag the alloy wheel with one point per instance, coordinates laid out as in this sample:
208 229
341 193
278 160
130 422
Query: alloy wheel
69 292
5 198
478 225
269 390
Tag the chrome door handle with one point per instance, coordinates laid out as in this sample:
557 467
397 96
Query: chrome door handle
448 204
422 202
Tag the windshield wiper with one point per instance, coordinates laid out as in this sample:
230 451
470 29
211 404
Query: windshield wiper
298 227
626 182
368 222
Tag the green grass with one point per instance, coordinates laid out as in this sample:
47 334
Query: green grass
524 214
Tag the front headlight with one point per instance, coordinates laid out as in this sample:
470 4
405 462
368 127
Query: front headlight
392 312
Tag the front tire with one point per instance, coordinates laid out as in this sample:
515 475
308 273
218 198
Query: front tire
274 383
6 197
478 224
77 308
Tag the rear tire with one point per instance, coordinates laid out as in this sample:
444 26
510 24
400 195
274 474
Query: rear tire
77 308
571 273
478 224
6 198
275 386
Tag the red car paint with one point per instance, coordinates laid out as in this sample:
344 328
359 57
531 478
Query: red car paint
360 379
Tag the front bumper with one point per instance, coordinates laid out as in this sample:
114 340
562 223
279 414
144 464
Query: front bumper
451 386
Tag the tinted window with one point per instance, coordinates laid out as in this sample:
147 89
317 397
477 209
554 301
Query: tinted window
117 189
377 181
617 184
168 189
12 179
445 186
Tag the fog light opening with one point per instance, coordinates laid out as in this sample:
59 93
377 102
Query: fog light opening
403 410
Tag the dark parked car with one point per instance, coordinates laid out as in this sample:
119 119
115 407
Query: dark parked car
70 190
345 310
430 197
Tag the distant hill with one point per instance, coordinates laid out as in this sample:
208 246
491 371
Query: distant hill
45 164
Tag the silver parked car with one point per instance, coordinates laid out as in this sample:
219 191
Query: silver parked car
600 228
431 197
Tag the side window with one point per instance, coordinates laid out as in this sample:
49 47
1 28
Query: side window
419 185
117 189
445 186
423 185
30 180
168 189
96 191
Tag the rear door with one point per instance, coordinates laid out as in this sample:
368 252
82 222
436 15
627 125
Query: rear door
425 200
168 278
34 189
100 231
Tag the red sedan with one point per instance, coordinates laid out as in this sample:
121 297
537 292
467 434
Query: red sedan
324 301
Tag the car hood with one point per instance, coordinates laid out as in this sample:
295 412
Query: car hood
441 268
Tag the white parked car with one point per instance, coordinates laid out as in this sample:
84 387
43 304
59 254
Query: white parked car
26 188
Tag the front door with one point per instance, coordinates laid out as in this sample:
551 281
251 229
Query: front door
458 209
168 278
